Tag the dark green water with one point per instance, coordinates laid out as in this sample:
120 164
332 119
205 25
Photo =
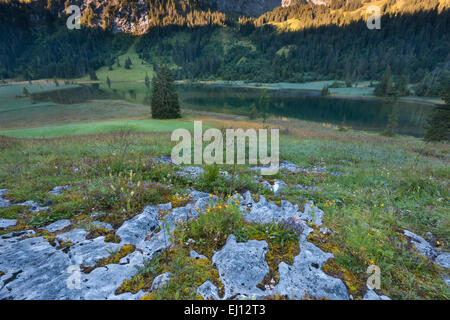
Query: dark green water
360 114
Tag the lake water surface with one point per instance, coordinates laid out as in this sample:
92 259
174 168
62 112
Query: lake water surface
357 113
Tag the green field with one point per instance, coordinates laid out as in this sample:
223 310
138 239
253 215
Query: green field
23 118
19 111
99 127
137 71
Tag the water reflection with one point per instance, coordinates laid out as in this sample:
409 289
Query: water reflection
363 114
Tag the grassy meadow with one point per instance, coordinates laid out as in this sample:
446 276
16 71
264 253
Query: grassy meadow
137 71
145 125
19 111
384 185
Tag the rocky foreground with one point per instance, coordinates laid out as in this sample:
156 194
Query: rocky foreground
61 261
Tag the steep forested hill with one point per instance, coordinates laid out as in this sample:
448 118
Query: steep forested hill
304 40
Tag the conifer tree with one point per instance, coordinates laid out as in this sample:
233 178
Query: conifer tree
164 101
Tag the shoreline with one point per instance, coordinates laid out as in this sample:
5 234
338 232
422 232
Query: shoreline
308 87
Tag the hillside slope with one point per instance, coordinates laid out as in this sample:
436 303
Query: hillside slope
331 39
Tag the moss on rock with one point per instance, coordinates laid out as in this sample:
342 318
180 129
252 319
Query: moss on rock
112 259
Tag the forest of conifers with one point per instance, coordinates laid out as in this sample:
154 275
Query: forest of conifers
201 43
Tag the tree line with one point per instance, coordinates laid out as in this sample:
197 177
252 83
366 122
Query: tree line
204 44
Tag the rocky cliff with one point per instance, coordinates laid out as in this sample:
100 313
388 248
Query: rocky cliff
136 16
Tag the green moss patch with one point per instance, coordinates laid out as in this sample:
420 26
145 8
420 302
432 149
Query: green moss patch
187 275
114 258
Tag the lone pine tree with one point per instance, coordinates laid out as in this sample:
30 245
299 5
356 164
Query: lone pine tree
164 101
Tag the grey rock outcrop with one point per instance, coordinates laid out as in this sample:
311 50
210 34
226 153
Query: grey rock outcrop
103 225
129 17
242 266
59 190
88 252
3 202
192 172
101 283
276 187
74 236
372 295
267 212
34 206
289 167
443 260
35 269
305 276
136 230
194 255
160 281
421 245
7 223
208 291
57 226
164 159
